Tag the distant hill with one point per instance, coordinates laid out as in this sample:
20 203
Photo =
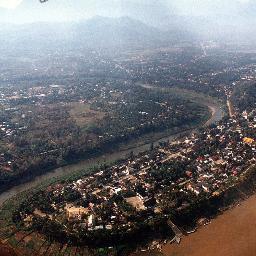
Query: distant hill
95 32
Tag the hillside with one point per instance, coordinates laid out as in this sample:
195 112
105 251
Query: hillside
94 33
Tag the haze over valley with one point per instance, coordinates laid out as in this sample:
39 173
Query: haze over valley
125 126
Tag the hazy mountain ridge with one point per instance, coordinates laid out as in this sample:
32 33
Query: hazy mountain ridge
96 32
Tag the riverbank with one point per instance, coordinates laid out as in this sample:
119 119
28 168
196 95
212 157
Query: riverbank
18 193
230 231
231 234
137 146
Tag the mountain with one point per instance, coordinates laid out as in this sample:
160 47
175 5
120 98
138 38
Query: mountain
96 32
117 31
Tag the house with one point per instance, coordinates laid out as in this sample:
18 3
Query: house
248 140
76 213
137 202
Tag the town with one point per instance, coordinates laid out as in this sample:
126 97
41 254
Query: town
47 123
165 180
127 128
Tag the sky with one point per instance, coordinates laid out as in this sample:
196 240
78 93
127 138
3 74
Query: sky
10 4
24 11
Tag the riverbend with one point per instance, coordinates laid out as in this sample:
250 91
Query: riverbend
137 147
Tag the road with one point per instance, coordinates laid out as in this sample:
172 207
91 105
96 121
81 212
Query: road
230 108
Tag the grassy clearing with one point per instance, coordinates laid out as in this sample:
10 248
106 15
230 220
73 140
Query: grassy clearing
83 115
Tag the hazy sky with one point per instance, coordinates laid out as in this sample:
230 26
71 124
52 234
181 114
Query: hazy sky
20 11
9 4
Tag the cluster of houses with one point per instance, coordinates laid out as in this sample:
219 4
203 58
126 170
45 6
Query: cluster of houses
203 164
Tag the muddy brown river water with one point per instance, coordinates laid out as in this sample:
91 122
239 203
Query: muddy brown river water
231 234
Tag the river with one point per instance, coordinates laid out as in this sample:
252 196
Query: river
231 234
217 114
